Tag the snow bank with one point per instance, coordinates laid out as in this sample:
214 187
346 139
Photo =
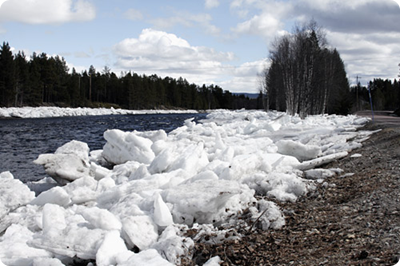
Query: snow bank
197 177
38 112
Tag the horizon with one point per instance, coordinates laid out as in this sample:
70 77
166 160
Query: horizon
218 42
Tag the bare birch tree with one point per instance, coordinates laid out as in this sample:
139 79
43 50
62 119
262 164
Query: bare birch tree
303 70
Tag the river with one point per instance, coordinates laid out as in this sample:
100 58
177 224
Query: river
23 140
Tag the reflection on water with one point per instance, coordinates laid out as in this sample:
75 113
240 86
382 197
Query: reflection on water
23 140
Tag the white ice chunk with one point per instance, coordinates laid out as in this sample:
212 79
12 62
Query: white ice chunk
82 190
173 246
190 159
112 246
297 149
226 155
321 160
105 184
214 261
205 175
14 249
42 185
67 234
154 135
284 187
56 195
98 172
53 218
63 168
269 215
148 257
318 173
100 218
162 215
244 165
13 193
78 148
47 262
163 160
200 200
140 231
68 163
127 146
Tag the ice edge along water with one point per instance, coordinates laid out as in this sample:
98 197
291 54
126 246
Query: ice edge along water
161 185
49 111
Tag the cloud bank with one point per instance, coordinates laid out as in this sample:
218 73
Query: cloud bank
46 11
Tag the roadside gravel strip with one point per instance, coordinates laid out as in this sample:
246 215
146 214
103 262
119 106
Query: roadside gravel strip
351 219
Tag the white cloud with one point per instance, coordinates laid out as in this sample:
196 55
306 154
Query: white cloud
165 54
250 68
246 77
166 51
242 84
360 16
264 18
263 25
82 54
335 5
211 4
133 14
46 11
369 56
187 19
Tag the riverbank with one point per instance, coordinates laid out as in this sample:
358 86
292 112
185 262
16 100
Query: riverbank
199 177
51 111
351 219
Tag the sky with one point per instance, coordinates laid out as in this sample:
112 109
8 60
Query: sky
221 42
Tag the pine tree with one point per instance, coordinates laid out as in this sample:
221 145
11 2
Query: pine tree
35 82
7 76
22 78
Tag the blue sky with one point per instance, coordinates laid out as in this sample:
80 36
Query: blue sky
224 42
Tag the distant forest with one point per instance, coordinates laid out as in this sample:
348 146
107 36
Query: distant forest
385 95
45 80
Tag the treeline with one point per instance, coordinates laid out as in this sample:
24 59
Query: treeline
385 95
46 80
306 77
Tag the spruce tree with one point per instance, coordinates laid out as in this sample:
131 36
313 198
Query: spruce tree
7 76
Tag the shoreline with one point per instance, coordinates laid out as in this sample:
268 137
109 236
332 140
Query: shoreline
352 218
51 111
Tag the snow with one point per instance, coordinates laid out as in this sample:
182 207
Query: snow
40 112
132 202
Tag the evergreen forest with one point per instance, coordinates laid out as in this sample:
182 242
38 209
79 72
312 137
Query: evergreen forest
46 80
385 95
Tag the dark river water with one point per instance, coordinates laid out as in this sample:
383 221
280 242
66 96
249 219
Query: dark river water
23 140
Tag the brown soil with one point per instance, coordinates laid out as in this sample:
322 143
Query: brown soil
350 220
